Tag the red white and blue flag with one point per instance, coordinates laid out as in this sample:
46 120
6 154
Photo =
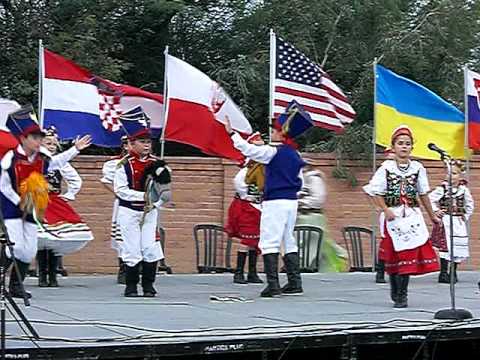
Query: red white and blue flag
77 102
296 77
473 108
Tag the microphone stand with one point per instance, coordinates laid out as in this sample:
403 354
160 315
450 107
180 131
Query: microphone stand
5 297
452 313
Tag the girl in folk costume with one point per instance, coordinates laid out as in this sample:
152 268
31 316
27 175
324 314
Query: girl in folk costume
283 165
405 247
244 216
63 231
379 264
462 209
24 189
108 172
311 201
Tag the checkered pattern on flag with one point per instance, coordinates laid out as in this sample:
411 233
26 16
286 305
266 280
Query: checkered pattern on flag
298 78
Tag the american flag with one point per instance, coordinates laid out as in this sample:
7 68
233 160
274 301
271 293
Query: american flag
298 78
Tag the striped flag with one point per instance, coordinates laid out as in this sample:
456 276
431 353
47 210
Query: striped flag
299 78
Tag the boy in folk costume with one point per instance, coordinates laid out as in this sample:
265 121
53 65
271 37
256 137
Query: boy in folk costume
24 190
462 209
405 247
244 216
283 166
108 172
63 231
136 218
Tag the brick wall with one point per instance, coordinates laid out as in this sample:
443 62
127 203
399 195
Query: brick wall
202 191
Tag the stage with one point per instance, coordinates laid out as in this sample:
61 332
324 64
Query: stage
340 316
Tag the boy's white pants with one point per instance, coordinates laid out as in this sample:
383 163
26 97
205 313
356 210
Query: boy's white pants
276 226
24 235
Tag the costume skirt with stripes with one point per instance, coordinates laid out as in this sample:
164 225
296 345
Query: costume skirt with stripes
63 229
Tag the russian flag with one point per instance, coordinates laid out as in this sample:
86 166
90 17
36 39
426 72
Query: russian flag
77 102
473 108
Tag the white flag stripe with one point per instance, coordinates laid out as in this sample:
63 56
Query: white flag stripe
470 84
187 83
305 101
69 95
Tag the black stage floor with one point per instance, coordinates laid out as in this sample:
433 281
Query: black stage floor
206 316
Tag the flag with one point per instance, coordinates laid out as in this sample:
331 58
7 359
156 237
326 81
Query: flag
299 78
473 108
78 102
7 140
196 107
401 101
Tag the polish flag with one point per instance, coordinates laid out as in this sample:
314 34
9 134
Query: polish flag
7 140
196 108
77 102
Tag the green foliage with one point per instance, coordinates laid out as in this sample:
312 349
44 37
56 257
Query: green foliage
124 40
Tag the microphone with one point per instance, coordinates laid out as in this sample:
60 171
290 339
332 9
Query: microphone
435 148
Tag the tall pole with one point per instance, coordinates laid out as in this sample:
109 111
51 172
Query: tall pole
273 65
466 145
40 82
374 160
165 104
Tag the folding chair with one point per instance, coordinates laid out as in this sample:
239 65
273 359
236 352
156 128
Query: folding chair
309 242
356 239
213 248
162 265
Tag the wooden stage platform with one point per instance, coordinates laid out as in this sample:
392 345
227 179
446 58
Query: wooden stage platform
344 316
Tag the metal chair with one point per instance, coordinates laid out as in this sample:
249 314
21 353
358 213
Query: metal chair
355 238
309 242
213 248
162 265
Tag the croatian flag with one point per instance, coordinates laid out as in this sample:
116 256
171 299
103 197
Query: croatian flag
77 102
473 108
197 106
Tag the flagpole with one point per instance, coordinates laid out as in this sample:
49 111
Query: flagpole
374 160
273 46
40 82
165 104
466 145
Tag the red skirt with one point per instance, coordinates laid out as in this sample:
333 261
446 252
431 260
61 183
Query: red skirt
60 211
417 261
244 222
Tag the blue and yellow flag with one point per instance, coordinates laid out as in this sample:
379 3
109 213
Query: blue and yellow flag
401 101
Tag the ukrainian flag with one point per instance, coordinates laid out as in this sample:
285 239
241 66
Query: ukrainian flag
401 101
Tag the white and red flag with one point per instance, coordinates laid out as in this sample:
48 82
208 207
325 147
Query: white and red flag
196 105
78 102
296 77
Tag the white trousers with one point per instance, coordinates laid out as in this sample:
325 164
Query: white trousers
138 241
276 226
24 235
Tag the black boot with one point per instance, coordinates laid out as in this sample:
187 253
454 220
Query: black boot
443 277
294 285
252 268
131 280
14 286
52 269
402 294
121 272
455 277
60 268
42 265
149 270
163 267
270 264
394 287
380 276
238 277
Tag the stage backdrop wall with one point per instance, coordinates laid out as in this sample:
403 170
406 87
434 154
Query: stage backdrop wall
202 191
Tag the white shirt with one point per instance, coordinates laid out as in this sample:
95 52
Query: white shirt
56 163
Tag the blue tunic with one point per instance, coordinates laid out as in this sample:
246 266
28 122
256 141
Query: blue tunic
282 179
